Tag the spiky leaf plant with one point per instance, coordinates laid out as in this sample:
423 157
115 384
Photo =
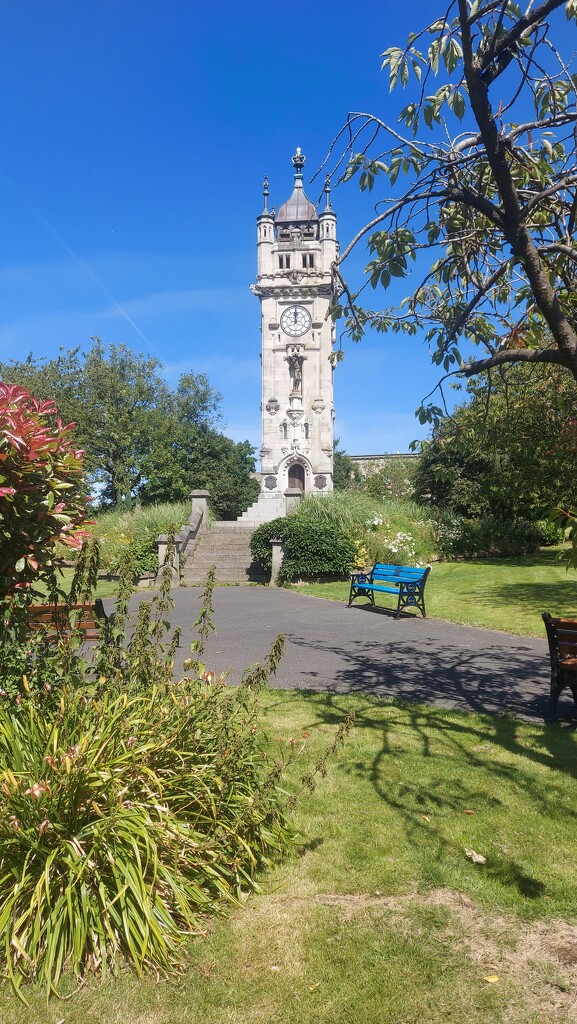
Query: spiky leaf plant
126 813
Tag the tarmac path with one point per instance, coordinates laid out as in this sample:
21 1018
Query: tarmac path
333 648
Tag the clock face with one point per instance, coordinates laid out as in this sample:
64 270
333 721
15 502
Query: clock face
295 320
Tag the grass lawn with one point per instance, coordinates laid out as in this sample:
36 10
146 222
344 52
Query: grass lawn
104 588
380 917
508 594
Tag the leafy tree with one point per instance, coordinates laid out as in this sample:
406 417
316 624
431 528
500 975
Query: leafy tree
509 451
346 473
143 440
203 458
478 189
40 489
394 480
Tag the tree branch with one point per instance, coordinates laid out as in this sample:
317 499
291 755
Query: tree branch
515 355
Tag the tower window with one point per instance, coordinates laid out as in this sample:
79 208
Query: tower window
308 260
284 262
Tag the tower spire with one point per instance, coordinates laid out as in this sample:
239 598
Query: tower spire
265 193
327 191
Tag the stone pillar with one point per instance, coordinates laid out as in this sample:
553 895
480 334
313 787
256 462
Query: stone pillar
292 497
162 543
277 557
199 501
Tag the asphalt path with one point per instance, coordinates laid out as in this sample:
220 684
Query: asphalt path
333 648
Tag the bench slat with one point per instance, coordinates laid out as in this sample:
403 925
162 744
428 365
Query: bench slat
65 619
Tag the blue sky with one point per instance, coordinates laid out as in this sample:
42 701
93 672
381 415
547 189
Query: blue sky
135 136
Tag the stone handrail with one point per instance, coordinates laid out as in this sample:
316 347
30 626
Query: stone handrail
187 538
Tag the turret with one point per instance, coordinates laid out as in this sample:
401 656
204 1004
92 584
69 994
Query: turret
328 230
265 235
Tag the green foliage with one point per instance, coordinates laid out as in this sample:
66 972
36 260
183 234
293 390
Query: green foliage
41 499
131 805
509 451
487 537
550 533
346 473
144 441
132 534
311 549
475 180
394 480
330 535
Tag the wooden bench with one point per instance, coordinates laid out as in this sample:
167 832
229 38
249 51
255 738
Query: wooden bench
562 637
64 619
403 580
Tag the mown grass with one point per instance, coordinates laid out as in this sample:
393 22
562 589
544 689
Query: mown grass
380 915
506 594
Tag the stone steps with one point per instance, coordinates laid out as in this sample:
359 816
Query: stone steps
227 547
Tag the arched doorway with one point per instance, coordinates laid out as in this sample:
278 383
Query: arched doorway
296 477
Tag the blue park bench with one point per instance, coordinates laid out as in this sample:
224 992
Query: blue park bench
403 580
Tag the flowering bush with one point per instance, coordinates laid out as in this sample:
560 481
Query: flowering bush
41 499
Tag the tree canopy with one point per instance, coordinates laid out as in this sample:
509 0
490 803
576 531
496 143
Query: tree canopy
512 456
476 189
143 440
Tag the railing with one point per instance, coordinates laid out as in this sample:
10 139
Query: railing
186 539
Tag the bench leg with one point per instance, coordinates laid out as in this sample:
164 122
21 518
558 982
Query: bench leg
552 715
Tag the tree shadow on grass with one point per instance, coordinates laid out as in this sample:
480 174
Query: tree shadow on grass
477 779
542 596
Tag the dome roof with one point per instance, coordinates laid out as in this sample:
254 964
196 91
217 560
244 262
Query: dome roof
298 209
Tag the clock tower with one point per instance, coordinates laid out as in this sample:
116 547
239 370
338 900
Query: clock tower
296 247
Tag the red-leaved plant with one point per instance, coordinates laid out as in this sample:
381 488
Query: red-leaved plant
41 496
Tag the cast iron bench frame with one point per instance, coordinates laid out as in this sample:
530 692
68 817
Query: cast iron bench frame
562 637
404 580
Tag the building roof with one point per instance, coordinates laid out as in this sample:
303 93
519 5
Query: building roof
298 209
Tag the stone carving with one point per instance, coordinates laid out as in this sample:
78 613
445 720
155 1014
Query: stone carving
320 482
272 406
295 360
318 406
295 414
270 483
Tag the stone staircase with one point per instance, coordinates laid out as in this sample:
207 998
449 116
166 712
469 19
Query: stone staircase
267 507
226 546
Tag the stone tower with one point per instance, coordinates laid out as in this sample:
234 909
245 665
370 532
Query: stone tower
296 247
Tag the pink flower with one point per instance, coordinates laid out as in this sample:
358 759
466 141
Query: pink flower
38 789
43 826
14 823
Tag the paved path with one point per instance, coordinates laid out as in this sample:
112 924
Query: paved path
334 648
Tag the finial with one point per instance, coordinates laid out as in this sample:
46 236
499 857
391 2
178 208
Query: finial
298 160
328 192
265 193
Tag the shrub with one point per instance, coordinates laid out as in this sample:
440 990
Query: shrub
330 535
312 550
485 537
549 532
41 499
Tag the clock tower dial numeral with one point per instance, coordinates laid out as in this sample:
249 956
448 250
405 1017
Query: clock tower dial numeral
295 321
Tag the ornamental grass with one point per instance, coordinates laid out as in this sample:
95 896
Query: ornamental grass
132 806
